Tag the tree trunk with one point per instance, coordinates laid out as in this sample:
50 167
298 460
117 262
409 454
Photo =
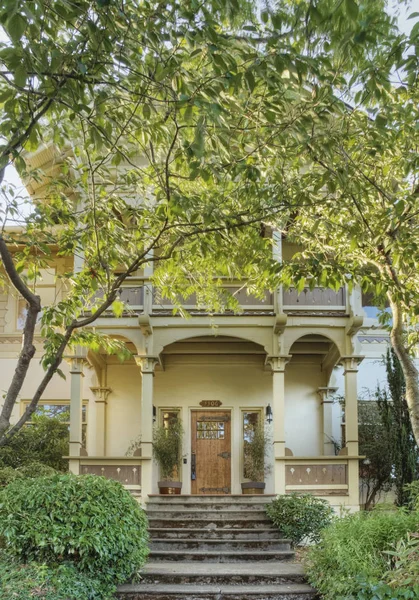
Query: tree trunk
28 348
408 366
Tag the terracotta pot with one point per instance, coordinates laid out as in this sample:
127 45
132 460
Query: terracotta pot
253 487
170 487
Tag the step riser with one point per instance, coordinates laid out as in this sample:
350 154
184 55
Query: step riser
208 498
220 558
216 534
205 524
185 507
215 579
227 546
201 515
215 596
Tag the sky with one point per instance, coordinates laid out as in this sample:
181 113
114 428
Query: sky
405 25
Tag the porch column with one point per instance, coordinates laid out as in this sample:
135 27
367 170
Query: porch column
278 364
76 407
326 402
350 365
101 396
147 365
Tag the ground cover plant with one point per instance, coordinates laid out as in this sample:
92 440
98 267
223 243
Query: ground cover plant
300 516
364 556
20 581
69 537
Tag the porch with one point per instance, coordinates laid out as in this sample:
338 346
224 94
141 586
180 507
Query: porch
229 381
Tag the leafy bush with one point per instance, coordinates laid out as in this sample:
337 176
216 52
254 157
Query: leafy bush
405 564
60 582
88 520
44 440
7 475
412 491
300 516
351 557
31 470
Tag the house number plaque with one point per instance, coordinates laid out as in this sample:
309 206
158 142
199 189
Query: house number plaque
210 403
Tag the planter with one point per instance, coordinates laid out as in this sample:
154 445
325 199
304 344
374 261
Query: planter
170 487
253 487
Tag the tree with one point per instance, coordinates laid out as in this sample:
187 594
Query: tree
402 448
374 442
354 182
189 107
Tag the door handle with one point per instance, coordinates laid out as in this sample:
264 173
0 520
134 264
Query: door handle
193 466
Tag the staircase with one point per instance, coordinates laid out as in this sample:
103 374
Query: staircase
216 548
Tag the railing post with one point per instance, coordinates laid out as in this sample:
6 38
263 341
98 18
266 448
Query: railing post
350 365
278 364
147 365
76 408
326 400
101 396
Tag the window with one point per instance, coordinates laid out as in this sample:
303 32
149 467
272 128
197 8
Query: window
251 420
210 430
60 409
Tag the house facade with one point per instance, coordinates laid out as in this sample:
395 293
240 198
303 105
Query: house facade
288 361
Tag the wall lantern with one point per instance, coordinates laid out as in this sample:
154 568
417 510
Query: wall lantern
269 413
154 414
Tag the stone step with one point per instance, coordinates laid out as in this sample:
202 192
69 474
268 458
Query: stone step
209 506
220 556
291 591
209 515
204 523
247 573
204 544
222 534
211 498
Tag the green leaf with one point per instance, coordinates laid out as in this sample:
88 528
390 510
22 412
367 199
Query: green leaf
352 9
16 26
20 76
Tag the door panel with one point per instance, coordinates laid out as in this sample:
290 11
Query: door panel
211 452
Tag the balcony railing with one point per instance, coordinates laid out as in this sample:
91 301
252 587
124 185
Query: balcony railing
316 299
249 302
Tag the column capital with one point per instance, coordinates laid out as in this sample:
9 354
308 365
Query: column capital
351 363
101 393
278 363
146 363
325 393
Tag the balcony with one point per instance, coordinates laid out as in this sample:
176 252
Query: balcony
316 300
249 302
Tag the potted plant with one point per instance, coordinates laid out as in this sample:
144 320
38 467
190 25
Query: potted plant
254 468
167 449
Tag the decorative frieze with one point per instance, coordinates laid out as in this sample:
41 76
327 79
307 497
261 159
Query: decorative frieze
315 475
125 474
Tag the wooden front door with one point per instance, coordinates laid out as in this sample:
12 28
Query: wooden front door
211 452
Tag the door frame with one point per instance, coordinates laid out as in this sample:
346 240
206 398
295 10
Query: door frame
231 412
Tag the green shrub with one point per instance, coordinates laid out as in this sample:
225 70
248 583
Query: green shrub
60 582
88 520
44 440
351 556
31 470
300 516
7 475
412 491
405 563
